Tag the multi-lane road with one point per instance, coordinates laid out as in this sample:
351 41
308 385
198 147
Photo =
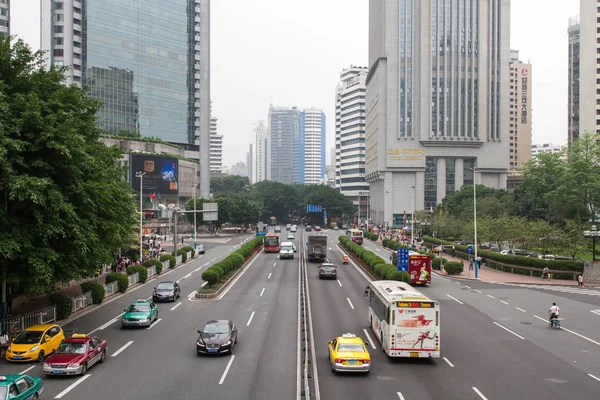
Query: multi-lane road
495 341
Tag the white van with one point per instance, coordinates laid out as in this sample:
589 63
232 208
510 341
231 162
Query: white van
286 250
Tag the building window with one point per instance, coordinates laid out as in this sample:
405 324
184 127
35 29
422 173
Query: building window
58 52
450 176
430 183
468 165
58 29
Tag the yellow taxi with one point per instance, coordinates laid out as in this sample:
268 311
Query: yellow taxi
348 353
35 343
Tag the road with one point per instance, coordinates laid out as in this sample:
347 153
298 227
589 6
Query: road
495 341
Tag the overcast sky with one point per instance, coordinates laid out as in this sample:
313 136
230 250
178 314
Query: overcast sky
291 53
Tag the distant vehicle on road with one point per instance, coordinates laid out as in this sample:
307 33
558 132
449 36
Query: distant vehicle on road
327 271
317 228
277 229
348 353
288 227
217 337
286 251
356 235
308 228
294 228
291 236
200 249
166 291
316 248
139 313
271 243
76 355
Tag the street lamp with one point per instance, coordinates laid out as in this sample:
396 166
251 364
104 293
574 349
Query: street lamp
475 220
195 186
412 217
592 234
141 176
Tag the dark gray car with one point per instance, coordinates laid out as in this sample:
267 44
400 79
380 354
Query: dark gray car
327 271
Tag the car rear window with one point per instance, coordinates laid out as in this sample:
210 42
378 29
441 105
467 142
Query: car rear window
351 347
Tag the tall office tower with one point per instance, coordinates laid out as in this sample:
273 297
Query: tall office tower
589 67
216 148
332 156
574 74
239 169
520 116
284 144
148 62
437 101
312 147
250 164
4 18
262 151
350 111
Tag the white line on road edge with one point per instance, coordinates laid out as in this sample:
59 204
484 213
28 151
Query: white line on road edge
250 319
349 302
204 284
274 264
502 301
340 283
570 331
448 361
479 393
227 369
154 324
239 275
72 386
455 299
116 353
508 330
193 294
369 339
175 306
262 292
594 377
270 275
400 396
458 283
197 269
597 312
187 276
28 369
378 249
478 291
330 248
490 296
520 309
468 287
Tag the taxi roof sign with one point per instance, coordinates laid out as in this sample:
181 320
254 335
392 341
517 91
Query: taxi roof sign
349 335
79 336
141 301
2 378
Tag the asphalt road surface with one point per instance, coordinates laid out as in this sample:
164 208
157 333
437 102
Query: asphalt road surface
495 341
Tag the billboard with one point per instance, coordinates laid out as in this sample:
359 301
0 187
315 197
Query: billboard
162 174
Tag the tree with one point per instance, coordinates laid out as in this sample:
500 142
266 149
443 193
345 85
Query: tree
235 209
572 239
490 202
225 184
64 206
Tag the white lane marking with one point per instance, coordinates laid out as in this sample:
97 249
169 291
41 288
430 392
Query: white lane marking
595 311
502 301
520 309
369 339
148 298
594 377
479 393
178 280
400 396
204 284
197 269
468 287
226 369
270 275
193 294
455 299
349 302
490 296
72 386
175 306
126 345
262 292
250 319
154 324
572 332
448 361
187 276
106 325
378 249
28 369
458 283
340 283
478 291
274 264
329 248
508 330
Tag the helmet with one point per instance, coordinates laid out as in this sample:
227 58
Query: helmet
553 304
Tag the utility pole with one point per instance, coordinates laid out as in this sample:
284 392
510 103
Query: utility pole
175 236
141 176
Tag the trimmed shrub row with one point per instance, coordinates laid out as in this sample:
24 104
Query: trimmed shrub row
382 269
154 262
122 281
182 253
172 260
97 289
63 303
216 272
141 270
453 268
395 245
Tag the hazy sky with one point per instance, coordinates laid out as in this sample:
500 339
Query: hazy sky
291 53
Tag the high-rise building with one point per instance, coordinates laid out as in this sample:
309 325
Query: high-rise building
4 18
520 112
216 148
262 151
239 169
350 112
437 102
311 162
284 144
589 67
574 73
546 148
250 164
148 62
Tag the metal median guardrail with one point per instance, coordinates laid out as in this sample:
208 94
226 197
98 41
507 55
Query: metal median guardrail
133 278
21 322
179 258
151 271
111 288
82 301
166 264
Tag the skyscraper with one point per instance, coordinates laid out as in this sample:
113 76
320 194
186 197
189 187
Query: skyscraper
589 67
216 148
437 101
574 44
148 62
250 164
350 114
4 18
284 144
262 151
521 118
312 147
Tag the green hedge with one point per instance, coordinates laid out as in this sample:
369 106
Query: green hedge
394 245
214 273
172 260
141 270
453 268
63 303
188 249
382 269
435 263
182 253
97 289
154 262
122 281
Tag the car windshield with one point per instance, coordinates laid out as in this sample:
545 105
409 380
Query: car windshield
164 286
357 348
138 308
3 392
71 348
287 248
29 337
216 328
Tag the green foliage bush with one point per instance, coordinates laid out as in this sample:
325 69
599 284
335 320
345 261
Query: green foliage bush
182 253
122 281
97 289
453 268
154 262
168 257
142 272
63 303
435 263
188 249
211 276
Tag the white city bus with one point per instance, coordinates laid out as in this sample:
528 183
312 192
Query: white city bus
405 321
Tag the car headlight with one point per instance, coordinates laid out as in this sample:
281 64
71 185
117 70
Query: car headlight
227 343
46 365
8 348
143 319
75 365
201 344
34 348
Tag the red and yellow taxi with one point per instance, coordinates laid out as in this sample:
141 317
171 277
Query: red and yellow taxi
35 343
348 353
75 355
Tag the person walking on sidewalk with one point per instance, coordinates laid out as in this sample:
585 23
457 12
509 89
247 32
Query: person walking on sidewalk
580 281
4 342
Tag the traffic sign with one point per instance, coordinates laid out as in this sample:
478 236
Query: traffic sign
469 249
313 208
403 260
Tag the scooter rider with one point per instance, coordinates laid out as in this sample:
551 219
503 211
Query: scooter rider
554 311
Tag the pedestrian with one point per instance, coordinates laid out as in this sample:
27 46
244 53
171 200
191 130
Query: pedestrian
580 281
4 342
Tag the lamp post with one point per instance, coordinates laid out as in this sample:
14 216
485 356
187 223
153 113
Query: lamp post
475 220
359 206
141 176
195 186
412 217
592 234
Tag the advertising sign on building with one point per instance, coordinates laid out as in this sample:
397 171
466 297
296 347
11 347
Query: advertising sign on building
524 95
161 174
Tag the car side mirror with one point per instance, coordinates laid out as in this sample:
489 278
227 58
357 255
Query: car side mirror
367 291
366 343
199 331
154 287
329 342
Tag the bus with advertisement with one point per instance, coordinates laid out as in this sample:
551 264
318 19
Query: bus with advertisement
404 320
356 235
271 243
419 267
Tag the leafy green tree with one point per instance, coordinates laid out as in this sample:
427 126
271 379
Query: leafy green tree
490 202
572 239
226 184
64 205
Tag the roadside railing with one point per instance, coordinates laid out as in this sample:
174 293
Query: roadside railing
111 288
189 255
179 258
133 278
166 264
151 271
21 322
82 301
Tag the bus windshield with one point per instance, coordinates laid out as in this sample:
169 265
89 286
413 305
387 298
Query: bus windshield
271 241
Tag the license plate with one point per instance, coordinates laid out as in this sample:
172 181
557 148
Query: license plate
352 361
18 357
414 354
57 371
212 350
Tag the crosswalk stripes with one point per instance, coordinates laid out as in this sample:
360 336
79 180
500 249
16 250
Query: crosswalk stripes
556 288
